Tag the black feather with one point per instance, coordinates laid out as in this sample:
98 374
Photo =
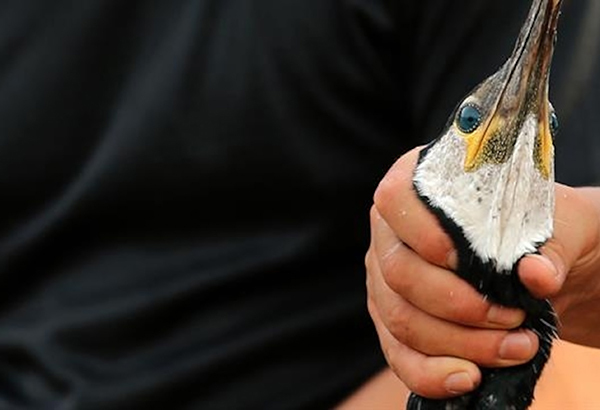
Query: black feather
510 388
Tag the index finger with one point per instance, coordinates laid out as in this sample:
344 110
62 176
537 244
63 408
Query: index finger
398 203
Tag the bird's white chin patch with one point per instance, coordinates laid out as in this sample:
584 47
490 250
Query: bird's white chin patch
505 210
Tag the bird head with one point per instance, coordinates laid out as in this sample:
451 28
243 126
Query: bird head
491 172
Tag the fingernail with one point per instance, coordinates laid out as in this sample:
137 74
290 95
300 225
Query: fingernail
505 316
516 346
459 383
452 259
555 265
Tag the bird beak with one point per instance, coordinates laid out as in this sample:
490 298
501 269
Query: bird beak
523 89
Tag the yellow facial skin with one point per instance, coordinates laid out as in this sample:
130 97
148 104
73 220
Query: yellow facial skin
479 142
544 155
478 139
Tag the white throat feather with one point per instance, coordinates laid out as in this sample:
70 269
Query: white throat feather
505 210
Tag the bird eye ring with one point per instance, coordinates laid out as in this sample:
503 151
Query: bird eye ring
468 118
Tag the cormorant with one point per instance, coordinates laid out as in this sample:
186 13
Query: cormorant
489 179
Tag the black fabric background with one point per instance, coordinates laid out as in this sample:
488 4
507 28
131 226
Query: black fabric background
185 186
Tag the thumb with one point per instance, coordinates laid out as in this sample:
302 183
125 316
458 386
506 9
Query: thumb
573 246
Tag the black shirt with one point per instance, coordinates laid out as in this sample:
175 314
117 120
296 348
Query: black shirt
185 187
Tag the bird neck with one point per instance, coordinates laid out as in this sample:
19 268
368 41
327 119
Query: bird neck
504 210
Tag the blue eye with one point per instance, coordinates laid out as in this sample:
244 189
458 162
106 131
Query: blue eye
468 119
553 123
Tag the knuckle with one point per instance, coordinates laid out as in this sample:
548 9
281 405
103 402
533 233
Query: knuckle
371 308
384 194
396 270
399 281
400 320
395 183
555 247
401 273
373 214
369 260
390 358
413 377
369 287
435 245
391 266
418 382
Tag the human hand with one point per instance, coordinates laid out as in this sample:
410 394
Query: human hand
568 271
433 327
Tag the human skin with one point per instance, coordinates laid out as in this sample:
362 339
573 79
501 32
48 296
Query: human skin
433 327
556 389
